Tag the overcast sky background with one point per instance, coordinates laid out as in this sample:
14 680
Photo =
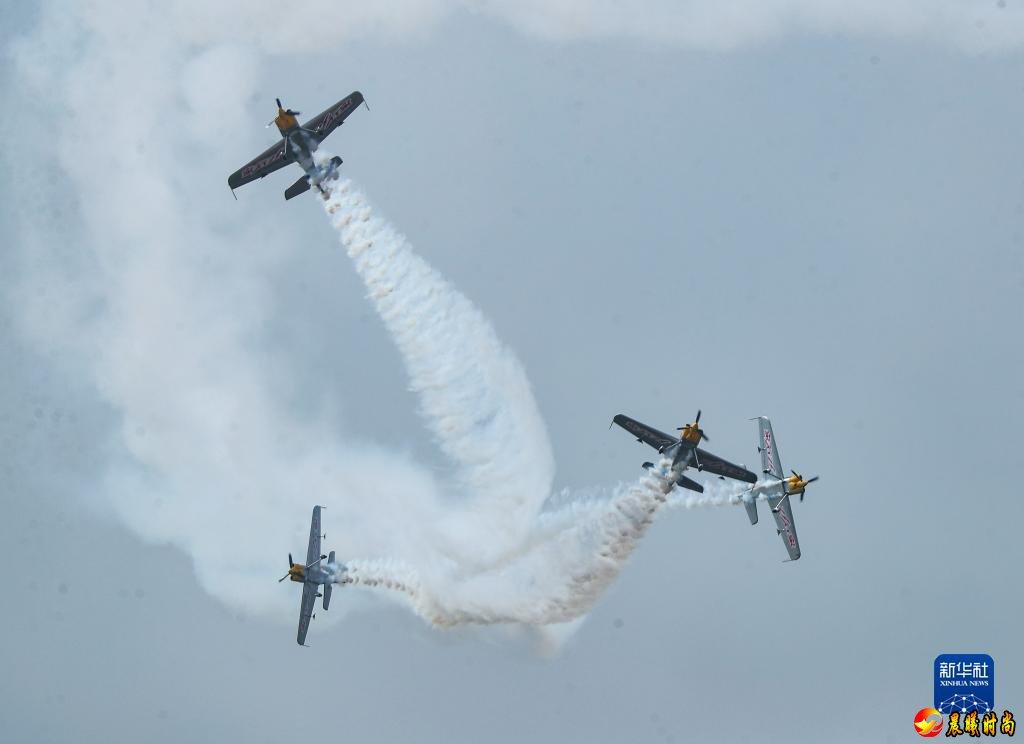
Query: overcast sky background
785 212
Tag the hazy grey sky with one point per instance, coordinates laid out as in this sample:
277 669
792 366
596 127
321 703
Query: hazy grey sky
809 211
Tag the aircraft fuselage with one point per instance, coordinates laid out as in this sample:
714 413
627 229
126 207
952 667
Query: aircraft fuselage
301 144
332 573
772 486
682 456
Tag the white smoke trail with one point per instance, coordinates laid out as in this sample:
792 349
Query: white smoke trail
719 492
473 392
551 581
723 493
716 493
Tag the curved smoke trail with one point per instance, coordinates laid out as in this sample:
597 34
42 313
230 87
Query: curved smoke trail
551 581
510 561
473 392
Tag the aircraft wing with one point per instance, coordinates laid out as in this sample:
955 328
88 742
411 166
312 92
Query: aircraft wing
306 610
770 462
644 433
326 122
313 552
718 466
274 158
783 514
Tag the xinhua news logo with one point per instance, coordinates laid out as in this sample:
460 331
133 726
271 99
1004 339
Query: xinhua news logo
964 700
964 682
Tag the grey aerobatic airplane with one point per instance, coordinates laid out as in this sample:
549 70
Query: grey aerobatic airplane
312 575
297 146
684 452
776 488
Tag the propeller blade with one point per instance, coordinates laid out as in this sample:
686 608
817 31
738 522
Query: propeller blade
704 436
801 497
290 561
283 578
279 103
697 420
814 479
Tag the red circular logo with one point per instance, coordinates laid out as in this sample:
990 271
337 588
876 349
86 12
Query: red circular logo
928 722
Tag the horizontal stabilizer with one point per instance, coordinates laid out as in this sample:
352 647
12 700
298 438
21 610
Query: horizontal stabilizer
751 506
327 586
693 485
299 187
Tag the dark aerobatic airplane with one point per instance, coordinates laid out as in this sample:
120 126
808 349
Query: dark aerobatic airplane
298 145
684 452
312 575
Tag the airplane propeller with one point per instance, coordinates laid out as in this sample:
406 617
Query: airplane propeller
282 108
806 483
700 431
290 564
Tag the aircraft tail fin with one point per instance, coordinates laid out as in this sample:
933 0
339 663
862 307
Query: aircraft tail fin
328 587
299 187
331 171
751 507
